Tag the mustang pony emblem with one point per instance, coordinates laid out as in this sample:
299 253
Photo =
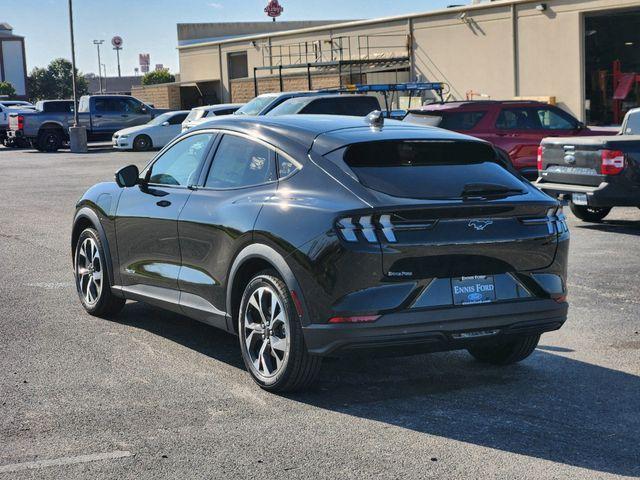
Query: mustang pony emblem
479 224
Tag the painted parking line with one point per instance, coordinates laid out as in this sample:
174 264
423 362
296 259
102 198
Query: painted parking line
56 462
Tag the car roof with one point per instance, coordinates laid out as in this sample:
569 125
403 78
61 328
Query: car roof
303 131
475 104
219 106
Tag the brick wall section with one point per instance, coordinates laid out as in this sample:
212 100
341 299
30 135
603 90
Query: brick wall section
166 95
242 89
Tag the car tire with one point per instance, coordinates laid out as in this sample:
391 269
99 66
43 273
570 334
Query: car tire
506 353
589 214
267 317
92 280
142 143
49 140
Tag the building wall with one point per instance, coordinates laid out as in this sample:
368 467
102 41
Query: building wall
13 66
501 49
242 90
161 96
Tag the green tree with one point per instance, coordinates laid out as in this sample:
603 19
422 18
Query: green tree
54 82
159 76
7 89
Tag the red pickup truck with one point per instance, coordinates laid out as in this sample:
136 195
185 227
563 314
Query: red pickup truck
517 127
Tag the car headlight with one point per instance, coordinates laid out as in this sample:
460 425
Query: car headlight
123 136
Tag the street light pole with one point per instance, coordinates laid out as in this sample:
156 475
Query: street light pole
97 43
77 134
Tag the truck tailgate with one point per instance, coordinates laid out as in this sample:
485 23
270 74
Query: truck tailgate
578 160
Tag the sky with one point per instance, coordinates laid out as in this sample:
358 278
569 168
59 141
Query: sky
149 26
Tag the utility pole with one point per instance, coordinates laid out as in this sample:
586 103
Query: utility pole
97 43
77 134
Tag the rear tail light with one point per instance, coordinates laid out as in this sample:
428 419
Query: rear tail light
540 150
612 162
371 228
356 319
20 122
555 220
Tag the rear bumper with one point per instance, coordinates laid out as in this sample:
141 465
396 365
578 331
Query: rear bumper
433 330
604 195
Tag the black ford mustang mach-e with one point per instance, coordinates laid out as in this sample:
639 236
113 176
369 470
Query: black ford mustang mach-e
312 236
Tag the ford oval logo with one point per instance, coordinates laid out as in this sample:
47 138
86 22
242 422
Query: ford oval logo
474 297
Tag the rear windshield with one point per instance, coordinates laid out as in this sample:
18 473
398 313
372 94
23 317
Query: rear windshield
430 169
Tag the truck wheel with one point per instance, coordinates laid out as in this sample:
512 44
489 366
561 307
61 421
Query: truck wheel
49 140
506 353
589 214
142 143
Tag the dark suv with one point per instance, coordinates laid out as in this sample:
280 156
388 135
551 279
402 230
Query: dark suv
312 236
515 127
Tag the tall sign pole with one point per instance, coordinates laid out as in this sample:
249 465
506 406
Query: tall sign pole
117 46
97 43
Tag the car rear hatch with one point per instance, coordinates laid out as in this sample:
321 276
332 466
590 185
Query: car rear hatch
448 209
582 160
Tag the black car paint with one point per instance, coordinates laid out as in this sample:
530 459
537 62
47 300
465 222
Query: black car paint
202 246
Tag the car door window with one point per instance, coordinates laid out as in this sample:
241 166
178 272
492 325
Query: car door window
553 120
518 119
240 162
179 164
177 119
461 120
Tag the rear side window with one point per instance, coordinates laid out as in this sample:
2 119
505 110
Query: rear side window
58 107
461 120
428 169
357 106
240 162
457 121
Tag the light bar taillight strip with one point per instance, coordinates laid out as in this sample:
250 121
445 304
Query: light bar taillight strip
370 227
555 220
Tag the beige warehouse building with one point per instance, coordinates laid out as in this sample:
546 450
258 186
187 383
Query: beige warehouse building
577 52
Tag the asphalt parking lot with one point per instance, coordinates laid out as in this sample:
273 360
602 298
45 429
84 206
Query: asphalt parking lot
153 394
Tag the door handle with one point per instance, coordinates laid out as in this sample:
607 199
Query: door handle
98 116
163 203
124 115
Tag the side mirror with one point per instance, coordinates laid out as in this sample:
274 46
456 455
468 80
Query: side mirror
127 176
165 124
144 109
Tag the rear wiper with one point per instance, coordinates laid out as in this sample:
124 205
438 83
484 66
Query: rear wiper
488 190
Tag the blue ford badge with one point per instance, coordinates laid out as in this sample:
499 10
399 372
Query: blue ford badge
474 297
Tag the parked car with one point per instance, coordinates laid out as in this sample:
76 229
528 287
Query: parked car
199 115
594 174
155 134
314 235
7 107
102 115
333 104
516 127
263 104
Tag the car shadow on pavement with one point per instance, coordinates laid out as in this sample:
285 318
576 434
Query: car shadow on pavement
550 406
628 227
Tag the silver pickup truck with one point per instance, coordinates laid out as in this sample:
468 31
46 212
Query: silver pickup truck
47 128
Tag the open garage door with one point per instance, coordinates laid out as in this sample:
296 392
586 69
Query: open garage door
612 65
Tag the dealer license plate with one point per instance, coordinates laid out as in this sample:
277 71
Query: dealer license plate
473 289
